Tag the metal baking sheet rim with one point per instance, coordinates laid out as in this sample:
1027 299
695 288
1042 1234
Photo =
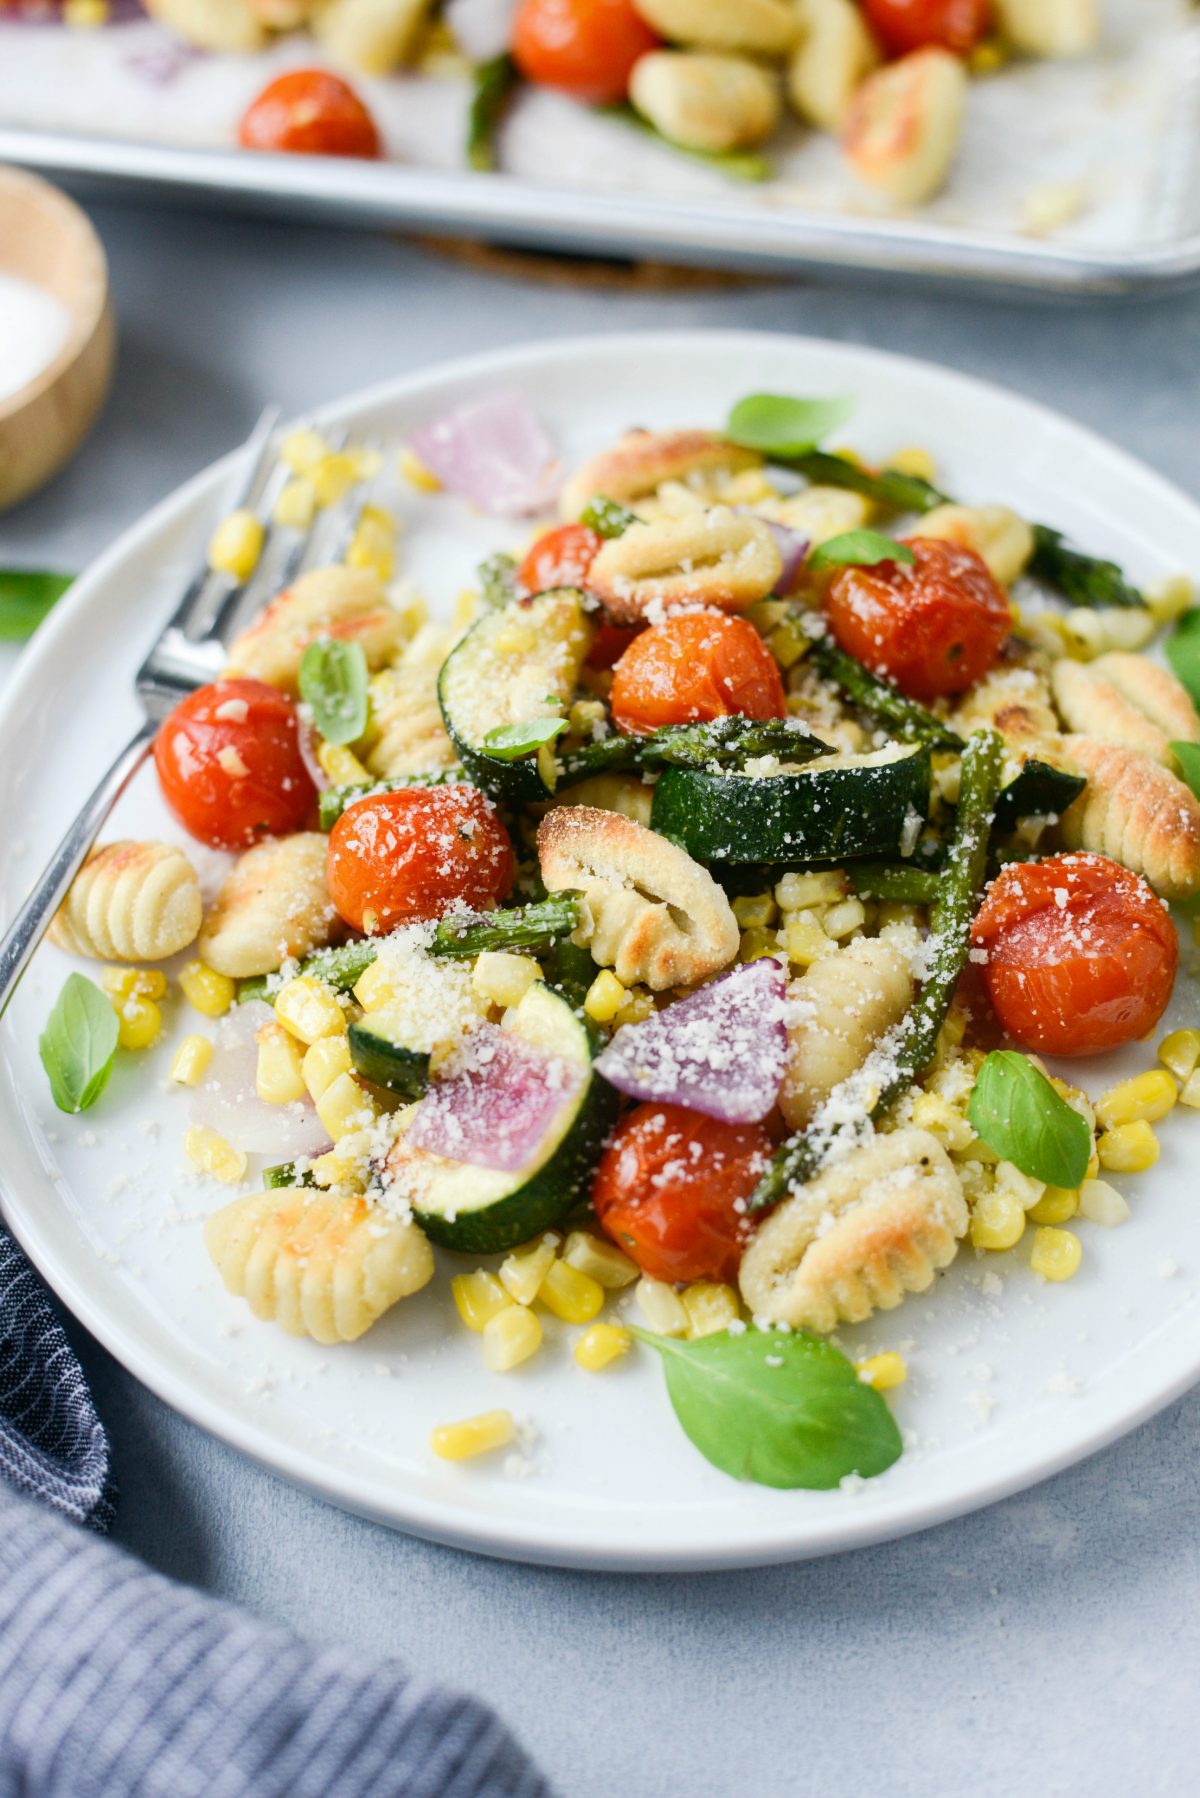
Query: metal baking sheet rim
502 208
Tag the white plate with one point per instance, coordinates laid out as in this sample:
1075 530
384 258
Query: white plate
1009 1381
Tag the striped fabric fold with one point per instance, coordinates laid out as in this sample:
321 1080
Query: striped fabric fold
114 1683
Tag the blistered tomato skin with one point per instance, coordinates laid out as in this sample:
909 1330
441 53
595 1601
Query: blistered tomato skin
696 667
398 857
309 112
562 558
668 1187
1081 955
230 767
904 25
934 627
585 48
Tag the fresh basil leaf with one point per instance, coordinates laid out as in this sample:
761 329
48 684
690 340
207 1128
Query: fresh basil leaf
509 742
780 426
26 596
1017 1112
1188 757
497 577
1183 651
780 1409
863 549
606 517
79 1044
333 681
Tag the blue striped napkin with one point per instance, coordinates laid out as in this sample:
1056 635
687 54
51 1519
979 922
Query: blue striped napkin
115 1683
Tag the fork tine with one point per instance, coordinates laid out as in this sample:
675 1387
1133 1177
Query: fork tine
191 612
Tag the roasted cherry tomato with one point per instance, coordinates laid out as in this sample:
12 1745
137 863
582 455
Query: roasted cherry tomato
699 665
230 766
414 854
610 643
561 558
668 1186
310 113
933 626
1081 955
904 25
585 48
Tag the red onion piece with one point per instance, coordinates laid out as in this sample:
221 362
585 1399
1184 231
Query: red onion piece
494 453
227 1101
793 548
482 28
308 755
495 1102
721 1051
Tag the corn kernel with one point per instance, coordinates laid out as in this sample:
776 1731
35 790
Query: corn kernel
756 944
473 1436
324 1062
842 919
1102 1204
603 1261
1057 1205
522 1272
479 1297
344 1106
636 1006
1129 1149
302 450
662 1307
1180 1052
1022 1187
342 765
85 15
755 910
584 715
503 979
373 544
333 476
932 1112
209 992
1056 1254
278 1074
600 1346
883 1371
191 1059
796 892
989 56
710 1307
309 1009
510 1338
914 460
605 997
339 1167
997 1222
376 987
133 983
296 506
236 545
804 940
415 472
1190 1095
573 1296
1169 598
788 643
1147 1096
138 1022
209 1152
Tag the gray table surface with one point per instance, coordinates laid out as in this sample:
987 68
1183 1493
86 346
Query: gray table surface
1048 1644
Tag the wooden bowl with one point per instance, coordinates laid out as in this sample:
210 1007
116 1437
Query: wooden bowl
46 239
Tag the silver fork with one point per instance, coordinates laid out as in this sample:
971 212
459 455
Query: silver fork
189 653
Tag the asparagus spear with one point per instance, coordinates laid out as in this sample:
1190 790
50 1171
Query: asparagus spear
334 800
516 927
738 165
894 881
606 517
493 84
949 939
721 743
910 721
1084 580
26 596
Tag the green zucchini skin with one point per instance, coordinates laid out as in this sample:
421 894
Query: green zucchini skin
1038 791
387 1063
826 815
475 666
553 1190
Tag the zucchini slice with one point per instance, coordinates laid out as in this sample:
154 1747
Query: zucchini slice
834 809
519 664
1039 790
386 1050
481 1211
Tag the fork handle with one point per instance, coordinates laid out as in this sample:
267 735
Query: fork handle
32 921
